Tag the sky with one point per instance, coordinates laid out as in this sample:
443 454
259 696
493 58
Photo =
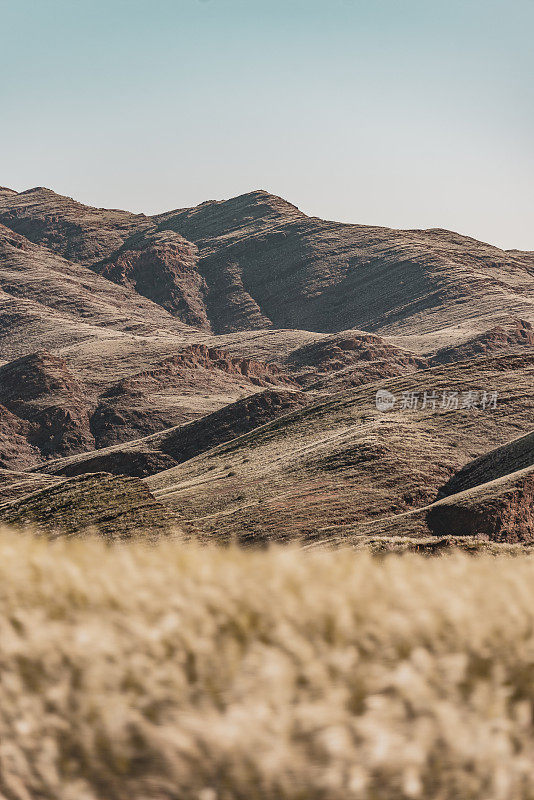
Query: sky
402 113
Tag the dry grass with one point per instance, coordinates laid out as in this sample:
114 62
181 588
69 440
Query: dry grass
208 674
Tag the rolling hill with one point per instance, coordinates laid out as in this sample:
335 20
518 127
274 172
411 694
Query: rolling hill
229 355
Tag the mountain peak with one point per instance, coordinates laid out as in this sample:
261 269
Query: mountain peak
41 190
264 198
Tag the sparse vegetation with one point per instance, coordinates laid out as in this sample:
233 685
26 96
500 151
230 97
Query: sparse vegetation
177 671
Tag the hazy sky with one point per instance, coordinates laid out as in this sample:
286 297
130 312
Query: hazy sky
405 113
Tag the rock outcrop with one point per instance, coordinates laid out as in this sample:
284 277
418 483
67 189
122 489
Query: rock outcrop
64 226
45 404
162 266
350 359
168 393
501 338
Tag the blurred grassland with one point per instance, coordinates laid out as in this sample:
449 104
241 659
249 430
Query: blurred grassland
200 673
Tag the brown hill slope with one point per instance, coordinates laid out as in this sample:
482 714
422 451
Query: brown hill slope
511 457
143 457
350 359
45 410
518 333
64 226
47 302
278 300
263 263
490 498
162 266
341 462
40 391
501 510
115 507
193 382
19 484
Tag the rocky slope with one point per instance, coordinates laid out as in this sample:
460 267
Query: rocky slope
47 303
501 510
339 464
152 454
184 386
350 359
49 406
19 484
512 457
256 261
115 507
162 266
232 352
78 232
328 277
46 411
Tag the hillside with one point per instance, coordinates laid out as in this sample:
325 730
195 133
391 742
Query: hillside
46 411
324 469
256 262
111 506
230 355
160 451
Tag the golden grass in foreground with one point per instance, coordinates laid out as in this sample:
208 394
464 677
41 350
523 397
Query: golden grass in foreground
207 674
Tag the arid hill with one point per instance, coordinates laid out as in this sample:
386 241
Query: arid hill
256 261
115 507
231 354
152 454
341 463
46 411
79 233
501 510
512 457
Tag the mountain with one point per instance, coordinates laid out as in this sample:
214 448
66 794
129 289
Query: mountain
230 355
256 262
77 232
160 451
340 466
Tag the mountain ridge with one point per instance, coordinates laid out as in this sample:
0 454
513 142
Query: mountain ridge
229 355
257 261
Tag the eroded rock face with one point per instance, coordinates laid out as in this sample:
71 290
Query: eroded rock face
502 510
498 339
46 412
126 411
15 449
161 266
351 359
50 404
